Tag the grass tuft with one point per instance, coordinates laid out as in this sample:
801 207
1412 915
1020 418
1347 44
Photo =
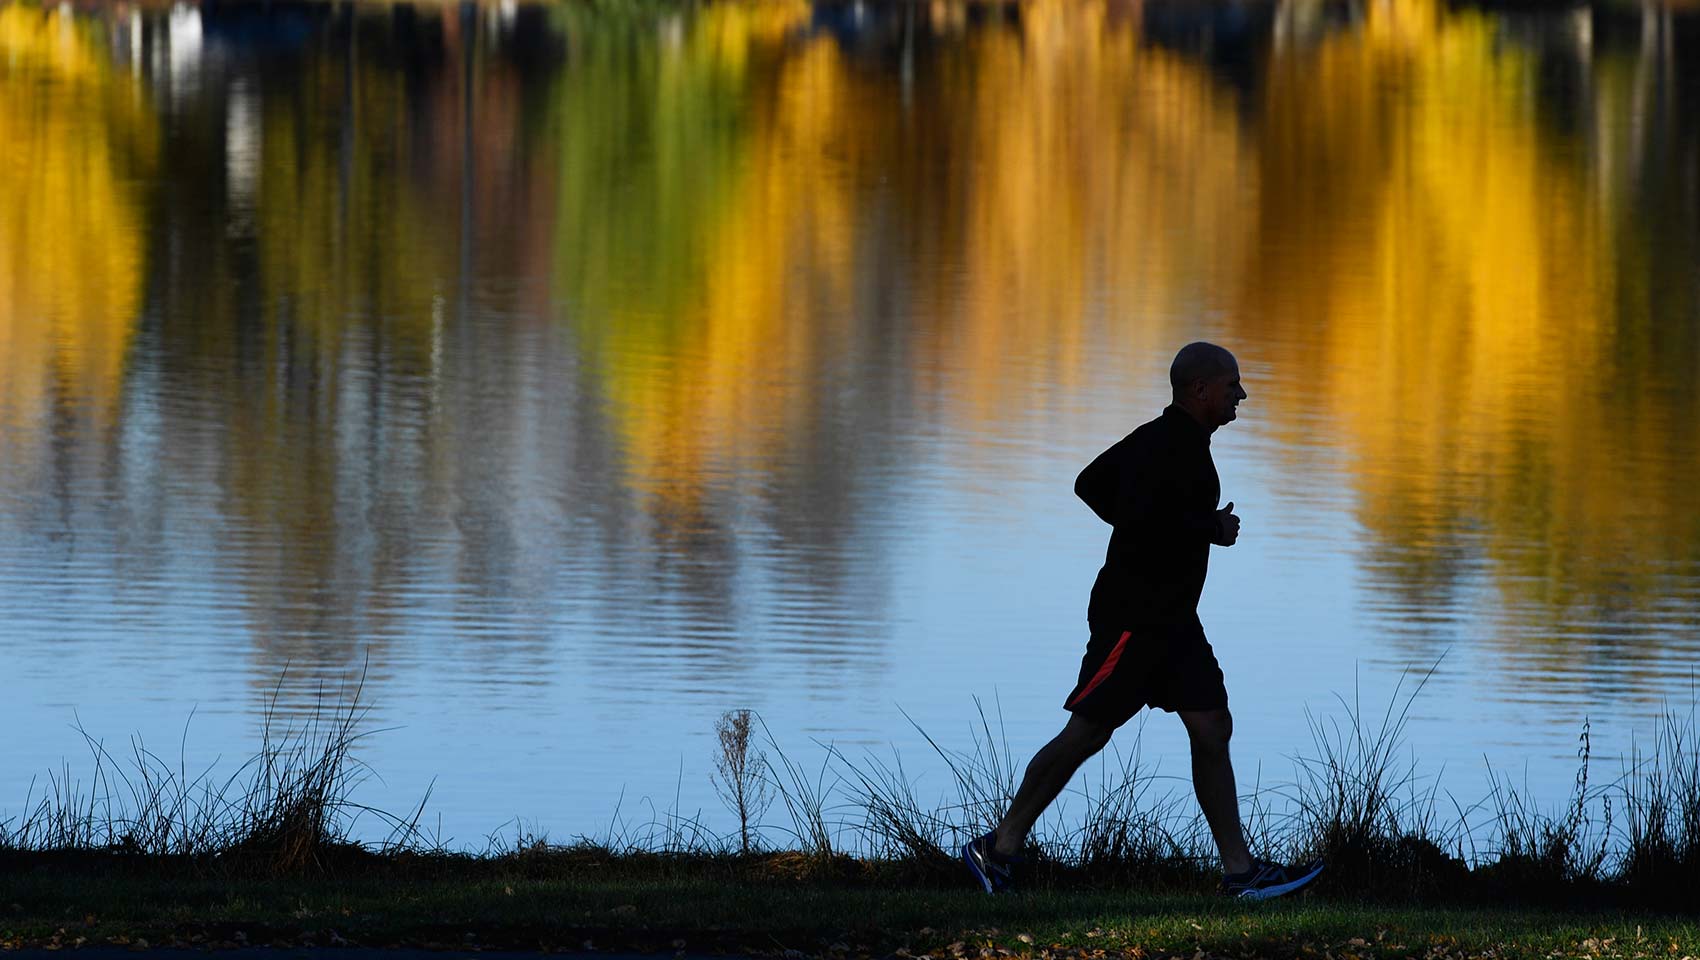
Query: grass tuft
1368 813
1661 804
287 809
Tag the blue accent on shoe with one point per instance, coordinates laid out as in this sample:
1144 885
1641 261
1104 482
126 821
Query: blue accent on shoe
1266 880
994 871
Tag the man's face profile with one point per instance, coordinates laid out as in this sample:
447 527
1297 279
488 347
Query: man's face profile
1218 396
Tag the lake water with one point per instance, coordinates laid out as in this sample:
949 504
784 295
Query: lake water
581 372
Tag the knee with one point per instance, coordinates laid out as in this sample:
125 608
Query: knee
1211 731
1088 735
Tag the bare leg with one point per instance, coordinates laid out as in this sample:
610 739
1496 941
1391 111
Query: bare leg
1213 782
1047 773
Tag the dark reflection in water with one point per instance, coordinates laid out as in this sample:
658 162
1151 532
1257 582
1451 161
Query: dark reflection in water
573 344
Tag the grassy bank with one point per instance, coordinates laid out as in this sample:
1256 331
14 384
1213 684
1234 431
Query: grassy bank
758 905
839 855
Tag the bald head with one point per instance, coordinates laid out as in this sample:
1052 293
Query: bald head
1200 360
1206 381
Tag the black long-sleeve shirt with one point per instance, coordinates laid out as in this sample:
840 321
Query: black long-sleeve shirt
1157 488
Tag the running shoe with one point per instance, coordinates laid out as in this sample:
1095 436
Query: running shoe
1266 880
994 871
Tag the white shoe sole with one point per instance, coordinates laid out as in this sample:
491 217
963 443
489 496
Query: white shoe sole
1269 893
978 871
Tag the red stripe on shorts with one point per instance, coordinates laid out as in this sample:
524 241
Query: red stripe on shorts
1104 671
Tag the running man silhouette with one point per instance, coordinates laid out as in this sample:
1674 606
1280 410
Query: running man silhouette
1157 488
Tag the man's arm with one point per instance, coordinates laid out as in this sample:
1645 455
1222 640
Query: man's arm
1097 485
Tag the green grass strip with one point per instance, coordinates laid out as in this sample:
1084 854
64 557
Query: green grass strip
700 911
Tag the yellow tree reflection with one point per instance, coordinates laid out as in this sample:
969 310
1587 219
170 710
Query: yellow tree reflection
679 234
1105 181
79 139
717 259
1440 277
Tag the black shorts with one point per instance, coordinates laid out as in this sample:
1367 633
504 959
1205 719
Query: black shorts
1168 667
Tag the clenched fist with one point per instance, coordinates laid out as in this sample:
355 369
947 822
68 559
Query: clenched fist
1227 526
